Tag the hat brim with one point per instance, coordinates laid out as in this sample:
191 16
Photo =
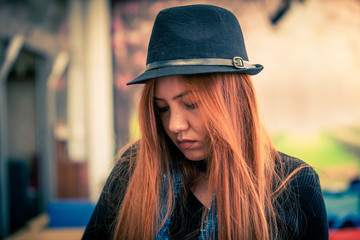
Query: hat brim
188 70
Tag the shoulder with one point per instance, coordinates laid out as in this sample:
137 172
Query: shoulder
290 162
117 182
128 151
102 221
296 169
125 161
300 177
303 198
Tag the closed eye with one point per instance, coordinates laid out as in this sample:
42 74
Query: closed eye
162 109
191 106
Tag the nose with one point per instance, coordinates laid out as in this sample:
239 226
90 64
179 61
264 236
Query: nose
178 122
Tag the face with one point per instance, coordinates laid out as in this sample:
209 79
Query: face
180 118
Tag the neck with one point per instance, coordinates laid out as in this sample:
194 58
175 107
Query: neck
200 190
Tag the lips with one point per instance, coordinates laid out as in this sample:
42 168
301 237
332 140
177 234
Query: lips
185 143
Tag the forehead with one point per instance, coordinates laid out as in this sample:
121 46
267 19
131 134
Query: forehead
169 86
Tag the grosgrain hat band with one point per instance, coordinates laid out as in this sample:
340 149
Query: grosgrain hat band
236 62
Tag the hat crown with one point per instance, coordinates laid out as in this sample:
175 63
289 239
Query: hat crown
195 31
196 39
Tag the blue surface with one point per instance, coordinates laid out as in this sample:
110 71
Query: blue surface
343 209
69 212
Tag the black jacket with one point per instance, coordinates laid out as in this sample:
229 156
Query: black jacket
300 209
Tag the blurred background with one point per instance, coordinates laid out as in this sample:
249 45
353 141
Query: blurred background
65 109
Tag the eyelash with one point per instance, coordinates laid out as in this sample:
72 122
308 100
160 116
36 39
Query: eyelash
191 106
162 109
188 106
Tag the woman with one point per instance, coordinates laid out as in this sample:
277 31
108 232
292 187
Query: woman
204 167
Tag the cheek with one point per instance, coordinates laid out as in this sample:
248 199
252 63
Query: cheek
205 136
165 125
200 128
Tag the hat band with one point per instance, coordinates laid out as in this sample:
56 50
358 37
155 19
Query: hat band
236 62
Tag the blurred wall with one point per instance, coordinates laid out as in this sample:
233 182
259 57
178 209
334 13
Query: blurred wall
32 111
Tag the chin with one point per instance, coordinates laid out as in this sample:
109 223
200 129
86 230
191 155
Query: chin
192 156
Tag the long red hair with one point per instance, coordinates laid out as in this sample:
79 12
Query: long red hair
241 166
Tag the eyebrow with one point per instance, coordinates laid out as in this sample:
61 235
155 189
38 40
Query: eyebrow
174 98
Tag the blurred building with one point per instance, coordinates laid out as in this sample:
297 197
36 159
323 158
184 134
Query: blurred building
56 105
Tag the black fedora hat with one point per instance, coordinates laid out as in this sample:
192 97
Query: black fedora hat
196 39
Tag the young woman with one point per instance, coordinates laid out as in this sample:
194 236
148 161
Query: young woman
204 167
